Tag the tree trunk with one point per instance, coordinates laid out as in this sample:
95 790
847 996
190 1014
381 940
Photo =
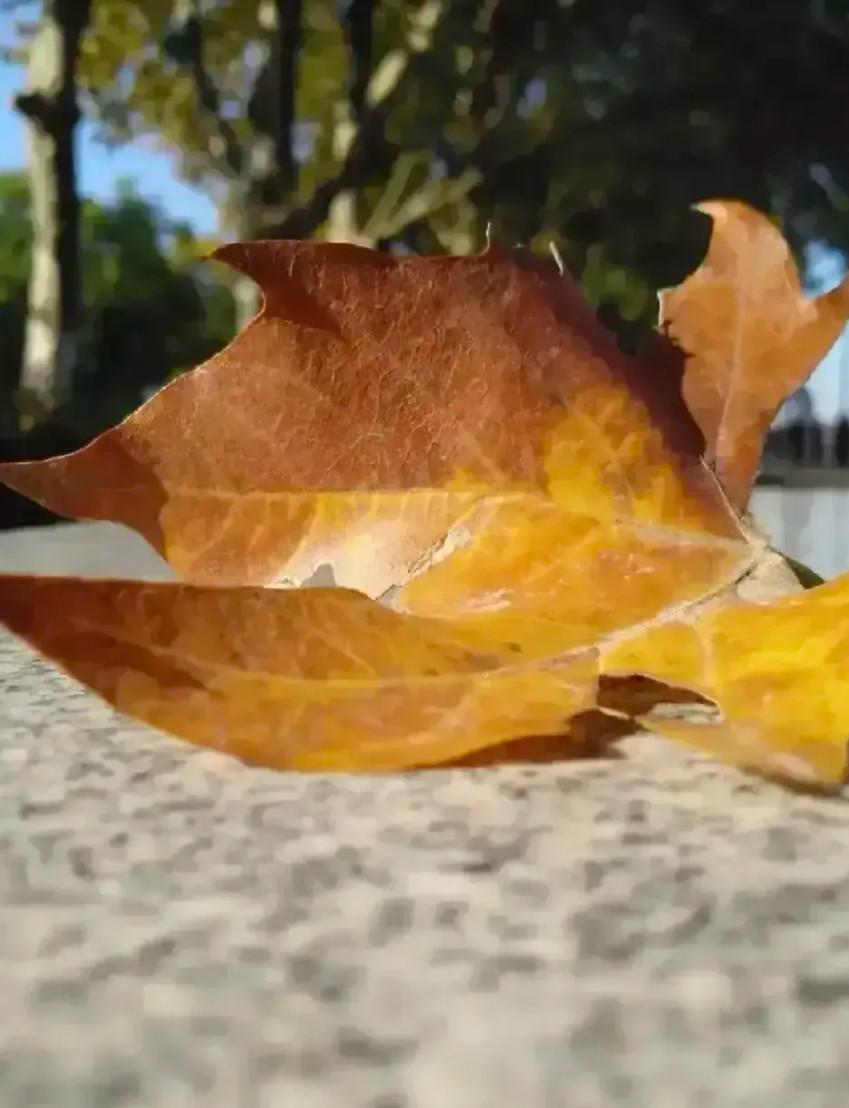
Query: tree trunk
54 305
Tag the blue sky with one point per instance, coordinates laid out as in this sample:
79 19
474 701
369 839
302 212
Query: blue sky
155 178
99 168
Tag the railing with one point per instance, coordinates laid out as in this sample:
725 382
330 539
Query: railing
807 453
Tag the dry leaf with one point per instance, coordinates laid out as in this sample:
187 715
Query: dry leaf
751 336
525 511
360 418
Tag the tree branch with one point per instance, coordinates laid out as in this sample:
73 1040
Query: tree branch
185 46
358 25
385 85
424 204
289 30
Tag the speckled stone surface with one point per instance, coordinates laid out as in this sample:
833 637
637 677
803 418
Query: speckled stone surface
179 930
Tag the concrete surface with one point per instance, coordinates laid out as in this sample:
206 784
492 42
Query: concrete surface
178 930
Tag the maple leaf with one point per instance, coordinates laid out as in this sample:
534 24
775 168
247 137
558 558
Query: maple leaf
362 415
527 537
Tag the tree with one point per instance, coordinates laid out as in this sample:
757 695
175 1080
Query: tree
151 309
723 100
419 124
150 312
247 140
50 108
250 92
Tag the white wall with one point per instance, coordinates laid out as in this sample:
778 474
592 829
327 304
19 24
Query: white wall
812 525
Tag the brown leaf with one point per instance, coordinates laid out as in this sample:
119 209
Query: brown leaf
459 438
327 679
751 337
358 419
296 678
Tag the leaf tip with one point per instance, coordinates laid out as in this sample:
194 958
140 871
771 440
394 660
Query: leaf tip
724 212
232 254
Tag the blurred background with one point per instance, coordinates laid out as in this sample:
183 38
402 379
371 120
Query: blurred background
137 134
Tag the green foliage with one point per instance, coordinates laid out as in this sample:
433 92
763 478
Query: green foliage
14 271
595 125
152 308
598 124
